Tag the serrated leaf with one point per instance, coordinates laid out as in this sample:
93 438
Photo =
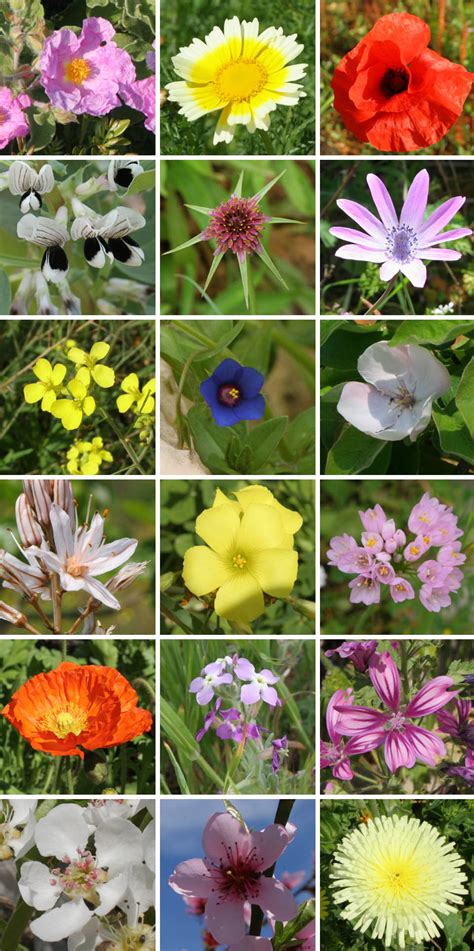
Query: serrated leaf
465 396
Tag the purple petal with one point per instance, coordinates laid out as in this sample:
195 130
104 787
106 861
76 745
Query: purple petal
382 201
250 693
333 717
385 678
452 235
354 720
364 742
398 751
196 684
441 216
415 271
270 696
244 669
205 695
269 676
439 254
431 697
427 747
364 218
414 208
356 237
353 252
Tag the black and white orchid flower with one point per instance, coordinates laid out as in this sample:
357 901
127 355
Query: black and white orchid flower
51 234
108 236
24 181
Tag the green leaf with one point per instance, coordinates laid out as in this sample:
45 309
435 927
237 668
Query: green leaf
5 293
430 331
204 211
306 914
263 440
222 344
454 436
212 270
42 127
173 727
331 421
183 786
327 327
352 452
186 244
238 187
301 433
145 182
265 257
266 188
465 396
285 221
210 440
244 274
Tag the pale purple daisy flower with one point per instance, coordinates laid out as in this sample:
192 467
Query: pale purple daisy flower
85 73
13 122
400 244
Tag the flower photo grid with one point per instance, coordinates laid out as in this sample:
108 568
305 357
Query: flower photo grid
159 618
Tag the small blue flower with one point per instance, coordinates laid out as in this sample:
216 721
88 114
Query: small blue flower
232 393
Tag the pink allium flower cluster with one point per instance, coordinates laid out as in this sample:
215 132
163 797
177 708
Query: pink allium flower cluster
86 73
384 558
236 225
13 122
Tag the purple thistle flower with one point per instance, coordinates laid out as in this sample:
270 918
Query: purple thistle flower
232 393
403 741
359 652
400 244
236 225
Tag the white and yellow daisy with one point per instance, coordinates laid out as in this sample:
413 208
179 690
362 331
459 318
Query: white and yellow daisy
240 72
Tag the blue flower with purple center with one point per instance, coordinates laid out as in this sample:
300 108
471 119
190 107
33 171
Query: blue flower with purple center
232 393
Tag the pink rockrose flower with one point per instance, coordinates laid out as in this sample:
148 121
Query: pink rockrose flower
232 874
335 754
85 73
359 652
141 95
13 122
403 741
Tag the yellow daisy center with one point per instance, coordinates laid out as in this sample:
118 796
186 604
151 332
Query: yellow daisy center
69 718
76 71
239 561
398 879
240 80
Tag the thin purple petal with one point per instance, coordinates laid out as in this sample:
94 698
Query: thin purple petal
414 208
364 218
441 216
382 201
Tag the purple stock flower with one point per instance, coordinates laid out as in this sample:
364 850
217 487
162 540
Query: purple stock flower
403 741
232 393
260 686
336 753
359 652
235 727
204 686
85 73
209 719
279 746
400 244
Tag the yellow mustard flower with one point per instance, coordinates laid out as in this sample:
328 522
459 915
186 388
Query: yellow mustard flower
86 457
49 386
71 411
102 375
140 399
250 554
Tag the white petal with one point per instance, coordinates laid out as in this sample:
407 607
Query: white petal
388 270
353 252
61 922
118 844
141 887
22 810
21 177
415 272
82 228
42 231
431 375
372 413
111 893
62 831
149 845
62 531
35 886
85 940
44 180
99 591
386 367
120 222
111 556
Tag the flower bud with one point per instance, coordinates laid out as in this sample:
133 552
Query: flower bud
28 529
400 538
38 493
7 613
62 496
390 545
126 576
388 528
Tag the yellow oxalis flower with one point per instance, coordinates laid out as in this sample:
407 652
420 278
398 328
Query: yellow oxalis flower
102 375
248 555
292 521
49 386
141 399
86 458
71 411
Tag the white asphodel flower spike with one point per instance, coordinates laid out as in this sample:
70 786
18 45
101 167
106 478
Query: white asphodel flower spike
24 181
108 236
397 398
121 172
51 235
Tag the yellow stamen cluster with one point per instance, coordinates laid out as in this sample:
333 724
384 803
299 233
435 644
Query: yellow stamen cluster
77 71
69 718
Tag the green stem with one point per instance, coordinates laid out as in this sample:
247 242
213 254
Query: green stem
64 649
382 299
123 768
16 926
127 446
175 619
70 778
281 818
252 308
267 142
406 296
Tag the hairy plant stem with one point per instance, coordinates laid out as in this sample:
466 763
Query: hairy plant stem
281 818
379 303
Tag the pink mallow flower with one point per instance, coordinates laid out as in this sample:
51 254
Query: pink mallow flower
403 741
85 73
336 753
359 652
13 122
232 874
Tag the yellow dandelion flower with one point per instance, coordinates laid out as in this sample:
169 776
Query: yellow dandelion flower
239 71
397 875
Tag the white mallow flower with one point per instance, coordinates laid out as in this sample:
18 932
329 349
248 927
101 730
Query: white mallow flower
102 878
17 827
82 555
396 400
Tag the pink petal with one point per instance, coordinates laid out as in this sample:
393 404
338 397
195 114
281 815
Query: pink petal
269 845
382 201
192 878
249 943
452 235
364 742
225 919
356 720
385 678
428 747
398 751
416 201
363 217
441 217
223 834
439 254
356 237
431 697
343 770
276 898
250 693
270 696
388 270
333 717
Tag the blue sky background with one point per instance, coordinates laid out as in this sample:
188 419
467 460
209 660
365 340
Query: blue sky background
182 824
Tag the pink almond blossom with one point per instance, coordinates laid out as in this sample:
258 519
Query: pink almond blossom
13 122
403 741
231 874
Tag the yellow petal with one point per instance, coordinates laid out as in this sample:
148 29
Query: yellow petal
84 376
48 400
99 351
261 528
43 370
149 387
58 374
221 499
103 376
91 467
292 521
204 571
88 405
70 414
124 402
33 392
73 468
97 442
79 357
130 384
240 599
219 528
59 407
275 571
77 389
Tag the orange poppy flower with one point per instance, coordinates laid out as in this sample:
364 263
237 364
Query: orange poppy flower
77 706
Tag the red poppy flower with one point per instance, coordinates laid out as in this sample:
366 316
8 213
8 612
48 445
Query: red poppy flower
394 92
77 706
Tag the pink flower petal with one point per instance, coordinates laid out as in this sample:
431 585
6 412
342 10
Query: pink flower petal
385 678
428 747
382 201
416 201
398 751
269 845
274 897
225 919
223 835
356 720
431 697
192 878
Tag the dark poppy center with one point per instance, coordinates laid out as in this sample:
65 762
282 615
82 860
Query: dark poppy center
394 82
228 394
